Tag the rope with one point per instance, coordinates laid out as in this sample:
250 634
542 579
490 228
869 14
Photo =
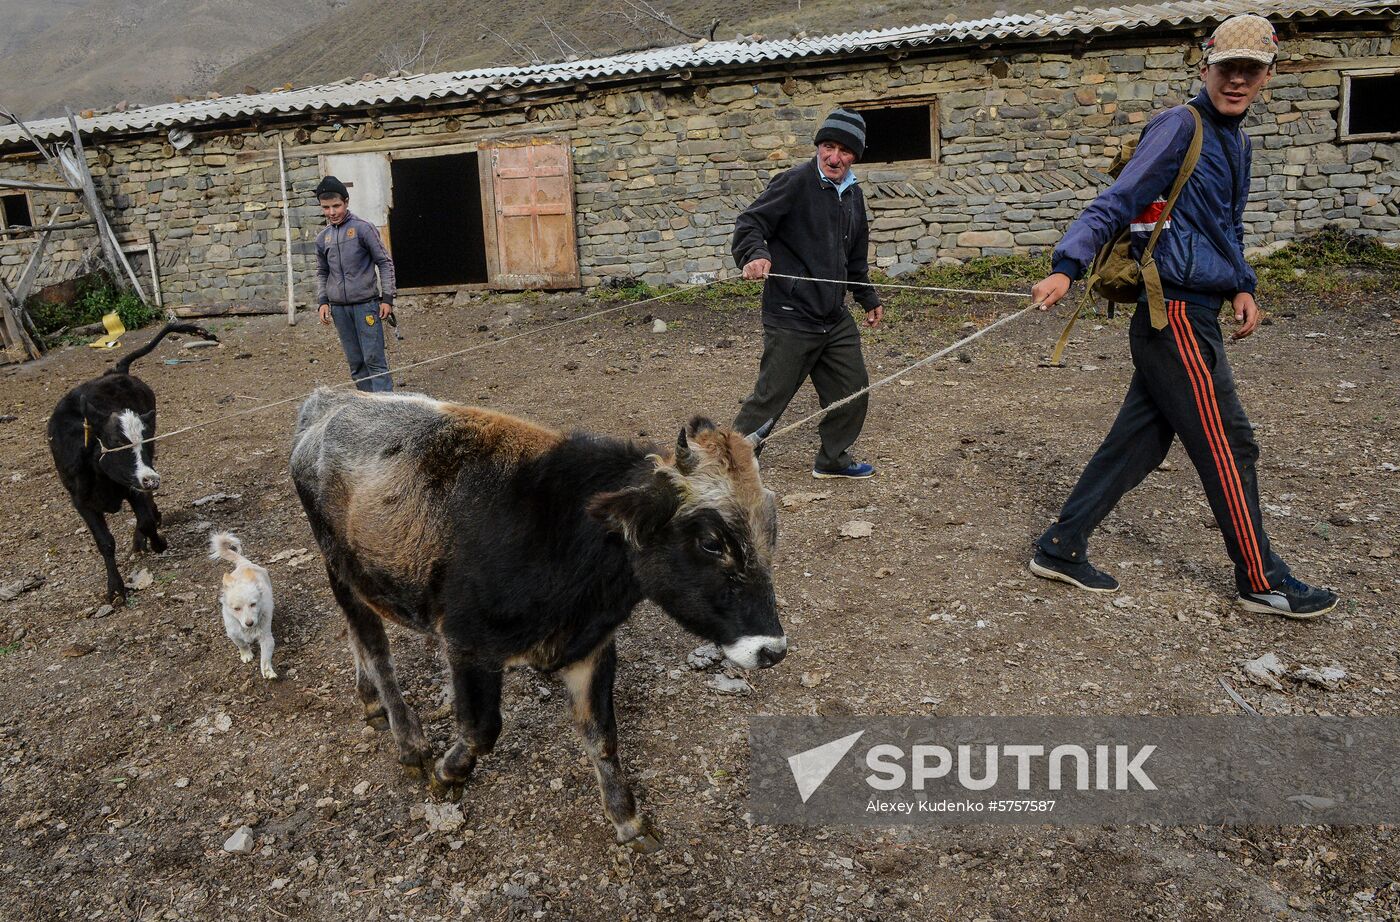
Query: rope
899 374
956 291
554 326
428 361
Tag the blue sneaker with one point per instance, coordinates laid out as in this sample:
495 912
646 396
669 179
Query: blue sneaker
1293 599
858 470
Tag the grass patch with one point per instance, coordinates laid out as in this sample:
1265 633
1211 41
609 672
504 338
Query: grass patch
730 289
727 295
621 291
8 648
1330 261
731 295
97 296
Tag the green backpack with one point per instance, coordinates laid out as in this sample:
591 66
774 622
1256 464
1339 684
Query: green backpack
1114 275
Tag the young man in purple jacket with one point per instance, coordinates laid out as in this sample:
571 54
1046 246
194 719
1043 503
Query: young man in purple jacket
1182 384
348 251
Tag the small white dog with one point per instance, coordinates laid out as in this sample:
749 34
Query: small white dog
246 600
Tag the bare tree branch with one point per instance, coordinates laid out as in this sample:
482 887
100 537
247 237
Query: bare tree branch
404 57
566 50
578 40
519 51
645 8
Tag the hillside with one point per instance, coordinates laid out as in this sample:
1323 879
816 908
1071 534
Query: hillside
374 36
95 53
25 20
92 53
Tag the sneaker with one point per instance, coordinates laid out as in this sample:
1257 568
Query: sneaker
857 470
1081 575
1294 599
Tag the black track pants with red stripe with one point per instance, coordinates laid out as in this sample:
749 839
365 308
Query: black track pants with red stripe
1182 386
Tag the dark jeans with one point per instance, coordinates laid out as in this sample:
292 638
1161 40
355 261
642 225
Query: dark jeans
834 362
362 338
1182 386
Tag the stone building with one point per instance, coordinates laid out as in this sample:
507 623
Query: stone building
986 138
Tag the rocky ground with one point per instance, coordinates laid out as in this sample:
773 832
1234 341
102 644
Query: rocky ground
134 746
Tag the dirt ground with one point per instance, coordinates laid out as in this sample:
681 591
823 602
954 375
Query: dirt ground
133 743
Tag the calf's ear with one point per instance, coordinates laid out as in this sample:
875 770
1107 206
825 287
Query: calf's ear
639 514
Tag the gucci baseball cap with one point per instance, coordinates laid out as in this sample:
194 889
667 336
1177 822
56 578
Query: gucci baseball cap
1247 37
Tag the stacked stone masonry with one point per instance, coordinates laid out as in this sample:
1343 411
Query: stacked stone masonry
661 172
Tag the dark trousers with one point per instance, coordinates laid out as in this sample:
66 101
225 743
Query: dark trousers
1182 386
362 338
834 362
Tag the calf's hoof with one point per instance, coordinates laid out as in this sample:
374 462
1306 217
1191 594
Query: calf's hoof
116 597
158 544
246 656
446 789
138 542
269 673
417 765
377 717
647 841
450 777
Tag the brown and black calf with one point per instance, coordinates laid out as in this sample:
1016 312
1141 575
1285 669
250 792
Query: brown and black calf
99 436
514 544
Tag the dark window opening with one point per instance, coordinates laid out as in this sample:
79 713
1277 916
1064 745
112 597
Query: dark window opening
894 133
14 210
435 229
1371 106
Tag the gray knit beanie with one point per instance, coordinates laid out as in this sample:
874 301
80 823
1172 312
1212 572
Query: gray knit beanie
846 128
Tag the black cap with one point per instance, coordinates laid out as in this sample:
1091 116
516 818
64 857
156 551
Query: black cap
846 128
332 186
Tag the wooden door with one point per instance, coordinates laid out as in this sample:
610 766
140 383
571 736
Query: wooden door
532 195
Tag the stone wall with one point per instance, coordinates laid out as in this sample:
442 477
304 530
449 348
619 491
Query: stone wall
216 215
661 172
1020 155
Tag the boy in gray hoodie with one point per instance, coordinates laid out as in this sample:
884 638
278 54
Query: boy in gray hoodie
348 251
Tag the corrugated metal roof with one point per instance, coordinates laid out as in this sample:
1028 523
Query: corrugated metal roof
699 56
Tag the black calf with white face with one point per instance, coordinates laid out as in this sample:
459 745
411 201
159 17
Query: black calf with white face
124 452
100 435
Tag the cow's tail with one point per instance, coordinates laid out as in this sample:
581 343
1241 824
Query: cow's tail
225 545
124 366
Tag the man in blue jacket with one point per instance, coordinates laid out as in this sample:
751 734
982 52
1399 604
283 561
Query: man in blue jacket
1182 384
348 251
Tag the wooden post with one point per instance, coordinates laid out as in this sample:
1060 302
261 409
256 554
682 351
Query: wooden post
37 186
108 238
12 328
287 235
10 331
94 206
15 231
155 273
31 268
